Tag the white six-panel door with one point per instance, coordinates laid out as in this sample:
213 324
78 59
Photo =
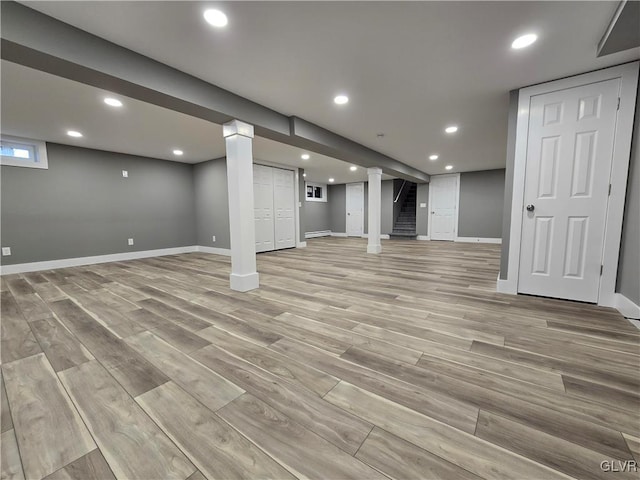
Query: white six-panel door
443 194
263 207
284 206
569 154
355 209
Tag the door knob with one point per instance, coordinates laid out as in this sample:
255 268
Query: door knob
531 208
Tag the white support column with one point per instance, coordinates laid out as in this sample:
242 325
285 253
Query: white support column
239 138
375 186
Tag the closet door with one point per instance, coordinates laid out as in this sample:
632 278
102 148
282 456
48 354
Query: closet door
284 206
263 207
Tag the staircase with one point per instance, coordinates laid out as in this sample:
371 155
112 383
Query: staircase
405 224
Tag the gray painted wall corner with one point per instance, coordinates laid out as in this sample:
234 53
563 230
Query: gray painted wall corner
512 120
628 283
422 213
83 206
212 203
481 204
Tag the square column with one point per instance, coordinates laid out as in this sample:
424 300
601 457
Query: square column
239 139
375 187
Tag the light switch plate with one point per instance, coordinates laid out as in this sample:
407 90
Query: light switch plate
213 238
423 205
125 173
130 241
6 251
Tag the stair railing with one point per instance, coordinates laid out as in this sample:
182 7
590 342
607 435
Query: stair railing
400 192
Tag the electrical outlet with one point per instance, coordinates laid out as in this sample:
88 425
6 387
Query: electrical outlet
125 173
130 241
6 251
423 205
213 238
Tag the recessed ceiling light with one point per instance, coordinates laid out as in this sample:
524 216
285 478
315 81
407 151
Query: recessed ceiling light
215 17
448 167
331 180
113 102
524 41
305 156
178 152
341 99
433 157
73 133
451 129
353 168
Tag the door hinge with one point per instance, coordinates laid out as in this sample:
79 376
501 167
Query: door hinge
609 189
601 269
618 107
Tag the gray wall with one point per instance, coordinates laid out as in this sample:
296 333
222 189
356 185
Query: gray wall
512 120
337 198
302 204
629 263
82 206
386 207
422 214
337 203
481 204
317 216
211 203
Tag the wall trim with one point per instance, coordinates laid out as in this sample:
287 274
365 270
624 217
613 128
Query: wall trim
338 234
478 240
504 286
302 245
320 233
79 261
423 237
628 74
214 250
626 307
112 257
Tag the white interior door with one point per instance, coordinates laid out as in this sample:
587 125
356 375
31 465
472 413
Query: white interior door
355 209
263 207
443 193
569 153
284 206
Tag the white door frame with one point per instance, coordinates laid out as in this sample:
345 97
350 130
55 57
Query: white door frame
346 207
628 75
430 204
296 192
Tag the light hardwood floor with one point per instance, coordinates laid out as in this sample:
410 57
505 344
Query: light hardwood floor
404 365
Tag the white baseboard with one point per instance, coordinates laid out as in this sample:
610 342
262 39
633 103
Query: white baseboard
216 251
383 236
626 307
338 234
321 233
76 262
505 286
301 245
478 240
423 237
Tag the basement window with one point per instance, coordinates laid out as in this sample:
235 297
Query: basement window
316 192
23 152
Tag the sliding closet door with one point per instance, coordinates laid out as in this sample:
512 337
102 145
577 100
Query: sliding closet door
284 207
263 207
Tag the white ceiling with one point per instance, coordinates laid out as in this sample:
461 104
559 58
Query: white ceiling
409 68
42 106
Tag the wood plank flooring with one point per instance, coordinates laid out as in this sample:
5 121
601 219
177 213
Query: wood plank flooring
404 365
